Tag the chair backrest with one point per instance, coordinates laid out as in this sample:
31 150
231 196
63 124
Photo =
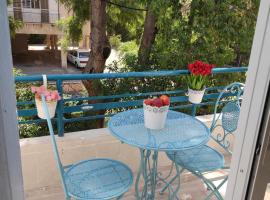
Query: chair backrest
54 144
226 115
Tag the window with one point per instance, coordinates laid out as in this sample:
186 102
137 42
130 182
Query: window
31 4
84 55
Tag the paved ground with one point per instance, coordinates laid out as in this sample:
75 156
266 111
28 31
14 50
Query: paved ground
42 62
47 69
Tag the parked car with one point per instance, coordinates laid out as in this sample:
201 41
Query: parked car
78 57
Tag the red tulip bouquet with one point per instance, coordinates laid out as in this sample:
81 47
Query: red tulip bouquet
155 112
197 80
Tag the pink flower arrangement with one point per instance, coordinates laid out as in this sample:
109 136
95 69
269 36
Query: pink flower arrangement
50 95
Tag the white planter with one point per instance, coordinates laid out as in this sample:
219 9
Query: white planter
51 107
154 117
195 96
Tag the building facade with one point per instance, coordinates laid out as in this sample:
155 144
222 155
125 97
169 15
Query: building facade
40 17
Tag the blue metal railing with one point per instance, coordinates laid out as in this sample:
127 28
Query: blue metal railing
177 96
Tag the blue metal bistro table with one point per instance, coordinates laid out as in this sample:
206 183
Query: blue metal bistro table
181 132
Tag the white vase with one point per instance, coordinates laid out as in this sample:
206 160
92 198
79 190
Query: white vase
51 107
195 96
154 117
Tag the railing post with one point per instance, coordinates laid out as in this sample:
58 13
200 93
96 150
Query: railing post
60 109
193 110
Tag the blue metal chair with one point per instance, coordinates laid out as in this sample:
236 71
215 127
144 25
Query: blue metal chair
95 179
205 159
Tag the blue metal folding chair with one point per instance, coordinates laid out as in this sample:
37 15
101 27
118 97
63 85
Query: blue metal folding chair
95 179
205 159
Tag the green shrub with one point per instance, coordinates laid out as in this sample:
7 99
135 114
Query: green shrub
23 93
115 41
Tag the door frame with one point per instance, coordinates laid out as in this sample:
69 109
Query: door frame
11 180
260 175
252 108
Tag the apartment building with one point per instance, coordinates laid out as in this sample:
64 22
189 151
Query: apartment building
39 17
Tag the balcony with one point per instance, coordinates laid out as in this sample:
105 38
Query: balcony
37 16
41 177
42 180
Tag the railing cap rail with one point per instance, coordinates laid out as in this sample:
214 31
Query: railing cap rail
54 77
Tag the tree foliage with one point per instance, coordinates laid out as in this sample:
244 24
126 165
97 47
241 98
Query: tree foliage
214 31
218 32
14 24
125 22
73 24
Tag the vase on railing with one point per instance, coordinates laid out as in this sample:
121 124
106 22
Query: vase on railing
195 96
51 107
51 98
155 112
197 80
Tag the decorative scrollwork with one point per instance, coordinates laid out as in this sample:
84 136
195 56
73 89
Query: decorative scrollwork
227 110
155 109
223 138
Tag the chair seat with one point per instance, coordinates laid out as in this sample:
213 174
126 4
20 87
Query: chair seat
200 159
98 179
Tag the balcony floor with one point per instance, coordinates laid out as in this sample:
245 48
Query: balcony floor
41 177
191 189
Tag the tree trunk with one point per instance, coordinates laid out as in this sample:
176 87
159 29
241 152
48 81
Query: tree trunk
148 38
100 48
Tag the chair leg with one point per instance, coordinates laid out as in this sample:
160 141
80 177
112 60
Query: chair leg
215 190
167 185
211 186
171 181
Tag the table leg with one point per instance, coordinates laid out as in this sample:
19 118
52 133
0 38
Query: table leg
139 174
178 172
147 170
153 174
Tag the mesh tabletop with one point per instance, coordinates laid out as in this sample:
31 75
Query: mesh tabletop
181 131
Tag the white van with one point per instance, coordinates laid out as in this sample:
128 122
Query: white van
79 57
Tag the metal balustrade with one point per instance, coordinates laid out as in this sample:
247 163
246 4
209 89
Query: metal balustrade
29 15
116 101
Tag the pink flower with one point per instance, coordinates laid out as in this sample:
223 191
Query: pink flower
49 98
48 94
40 90
55 95
33 89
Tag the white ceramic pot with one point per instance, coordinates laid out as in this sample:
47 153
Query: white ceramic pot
51 107
154 117
195 96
